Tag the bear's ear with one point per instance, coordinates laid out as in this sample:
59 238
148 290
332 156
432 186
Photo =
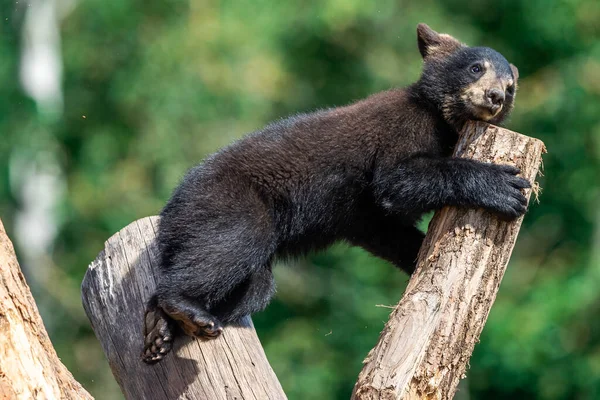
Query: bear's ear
432 44
515 72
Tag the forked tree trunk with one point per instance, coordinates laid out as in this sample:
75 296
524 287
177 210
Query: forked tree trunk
425 347
29 366
115 290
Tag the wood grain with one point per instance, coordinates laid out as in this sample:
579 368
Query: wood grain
115 290
425 347
29 366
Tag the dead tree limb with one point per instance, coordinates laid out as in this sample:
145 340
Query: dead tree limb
115 290
29 366
424 348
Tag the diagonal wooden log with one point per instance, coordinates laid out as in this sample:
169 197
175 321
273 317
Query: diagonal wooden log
425 346
114 292
29 366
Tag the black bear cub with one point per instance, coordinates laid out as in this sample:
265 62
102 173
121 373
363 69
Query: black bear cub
364 173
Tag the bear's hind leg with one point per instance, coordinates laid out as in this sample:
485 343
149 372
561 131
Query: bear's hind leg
191 316
250 296
159 332
389 238
160 322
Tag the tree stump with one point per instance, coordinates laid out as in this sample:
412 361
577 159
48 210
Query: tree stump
115 290
29 366
425 347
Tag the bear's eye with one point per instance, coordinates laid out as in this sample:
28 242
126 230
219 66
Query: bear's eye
476 68
510 89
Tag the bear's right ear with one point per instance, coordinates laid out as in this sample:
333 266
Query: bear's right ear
432 44
515 72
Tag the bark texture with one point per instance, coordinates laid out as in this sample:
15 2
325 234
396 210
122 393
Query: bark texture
115 290
425 346
29 366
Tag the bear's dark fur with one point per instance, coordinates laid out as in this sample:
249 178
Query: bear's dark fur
364 173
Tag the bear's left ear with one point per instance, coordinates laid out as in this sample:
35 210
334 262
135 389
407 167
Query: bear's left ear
515 72
432 44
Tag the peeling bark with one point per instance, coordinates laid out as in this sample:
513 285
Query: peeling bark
29 366
424 349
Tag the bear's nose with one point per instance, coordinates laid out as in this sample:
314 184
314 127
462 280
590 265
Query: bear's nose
496 96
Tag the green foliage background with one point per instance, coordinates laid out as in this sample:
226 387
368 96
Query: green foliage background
164 83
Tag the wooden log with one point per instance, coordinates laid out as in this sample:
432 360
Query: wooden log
115 290
424 348
29 366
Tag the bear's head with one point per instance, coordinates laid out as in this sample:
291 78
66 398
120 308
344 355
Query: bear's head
465 83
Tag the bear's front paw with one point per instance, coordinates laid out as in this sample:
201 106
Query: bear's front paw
505 192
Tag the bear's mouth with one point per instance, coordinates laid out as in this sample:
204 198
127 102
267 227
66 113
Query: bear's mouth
480 106
487 112
494 109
